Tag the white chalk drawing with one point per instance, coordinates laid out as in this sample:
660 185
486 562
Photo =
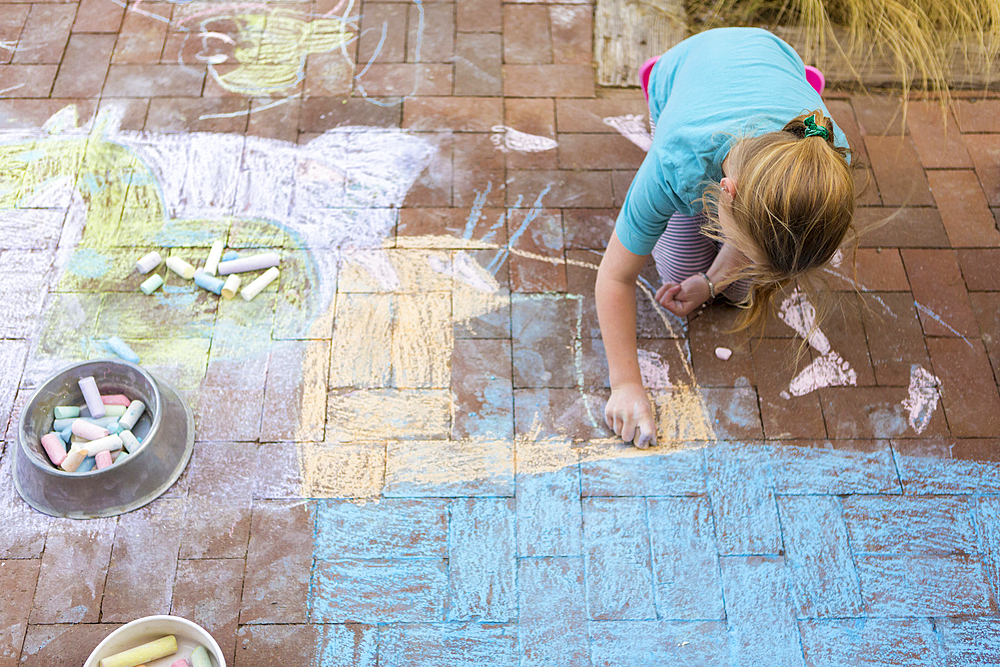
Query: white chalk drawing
924 395
655 370
632 128
508 139
827 370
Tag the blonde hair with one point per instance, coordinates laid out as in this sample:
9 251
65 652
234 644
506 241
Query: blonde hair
793 208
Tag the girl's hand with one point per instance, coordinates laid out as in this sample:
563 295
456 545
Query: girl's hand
630 415
681 300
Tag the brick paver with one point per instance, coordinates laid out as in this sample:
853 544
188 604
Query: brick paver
400 456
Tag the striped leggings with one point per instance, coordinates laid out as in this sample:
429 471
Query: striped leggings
683 251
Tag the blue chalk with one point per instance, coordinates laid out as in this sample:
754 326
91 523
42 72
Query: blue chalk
87 465
230 255
66 433
118 346
208 282
62 424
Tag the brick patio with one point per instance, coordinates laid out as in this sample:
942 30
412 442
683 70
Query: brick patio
401 458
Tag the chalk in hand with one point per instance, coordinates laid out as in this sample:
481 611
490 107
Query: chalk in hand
140 654
723 353
119 347
180 267
92 396
151 284
148 262
255 288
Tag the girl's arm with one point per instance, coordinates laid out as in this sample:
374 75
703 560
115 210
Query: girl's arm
628 411
681 299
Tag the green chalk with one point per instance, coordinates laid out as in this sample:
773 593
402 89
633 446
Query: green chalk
66 411
199 658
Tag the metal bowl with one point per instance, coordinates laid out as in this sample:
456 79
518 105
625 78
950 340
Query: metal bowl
166 430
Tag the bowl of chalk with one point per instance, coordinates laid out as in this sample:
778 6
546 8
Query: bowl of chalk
100 438
158 641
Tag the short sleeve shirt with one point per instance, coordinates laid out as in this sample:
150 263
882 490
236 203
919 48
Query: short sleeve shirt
705 94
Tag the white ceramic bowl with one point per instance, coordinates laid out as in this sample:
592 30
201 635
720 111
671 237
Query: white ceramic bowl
140 631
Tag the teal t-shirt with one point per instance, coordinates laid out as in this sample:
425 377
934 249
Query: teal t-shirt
704 93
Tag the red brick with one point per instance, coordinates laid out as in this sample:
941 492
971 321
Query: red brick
968 388
987 309
185 115
985 152
84 66
276 586
937 137
588 228
433 186
269 645
938 286
561 412
479 15
621 181
548 81
133 114
964 211
843 115
572 34
47 645
12 18
880 115
900 177
286 388
208 592
711 328
895 339
846 333
947 465
141 39
319 114
872 412
478 59
478 163
569 189
865 187
153 81
45 33
217 521
598 151
277 121
378 16
542 236
461 114
588 115
784 418
874 270
98 16
481 382
330 73
535 117
526 35
27 80
17 588
437 39
979 267
417 222
977 115
407 80
900 227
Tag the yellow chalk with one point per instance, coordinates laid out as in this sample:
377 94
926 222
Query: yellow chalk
140 654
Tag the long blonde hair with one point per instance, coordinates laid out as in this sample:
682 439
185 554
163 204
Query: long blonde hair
793 209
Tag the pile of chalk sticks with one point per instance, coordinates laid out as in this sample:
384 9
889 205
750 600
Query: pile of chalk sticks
230 265
98 440
154 650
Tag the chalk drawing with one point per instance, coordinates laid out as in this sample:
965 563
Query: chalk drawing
508 139
924 394
631 127
828 370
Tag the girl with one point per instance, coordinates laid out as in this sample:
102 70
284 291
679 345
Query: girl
739 128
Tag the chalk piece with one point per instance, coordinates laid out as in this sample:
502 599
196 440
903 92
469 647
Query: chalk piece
66 433
208 282
93 397
114 410
180 663
214 255
54 448
88 464
88 430
254 288
116 399
103 422
180 267
128 441
148 262
151 284
231 286
66 411
230 255
103 460
121 348
131 416
62 424
140 654
107 444
723 353
77 442
252 263
73 460
199 658
120 457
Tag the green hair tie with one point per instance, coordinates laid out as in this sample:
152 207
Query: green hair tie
814 130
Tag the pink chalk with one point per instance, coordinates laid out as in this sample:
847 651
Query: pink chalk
88 431
723 353
116 399
180 663
103 459
54 448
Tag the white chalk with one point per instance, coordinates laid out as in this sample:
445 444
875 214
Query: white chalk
88 430
723 353
148 262
92 396
180 267
253 263
214 255
254 288
132 414
128 441
231 286
108 444
151 284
